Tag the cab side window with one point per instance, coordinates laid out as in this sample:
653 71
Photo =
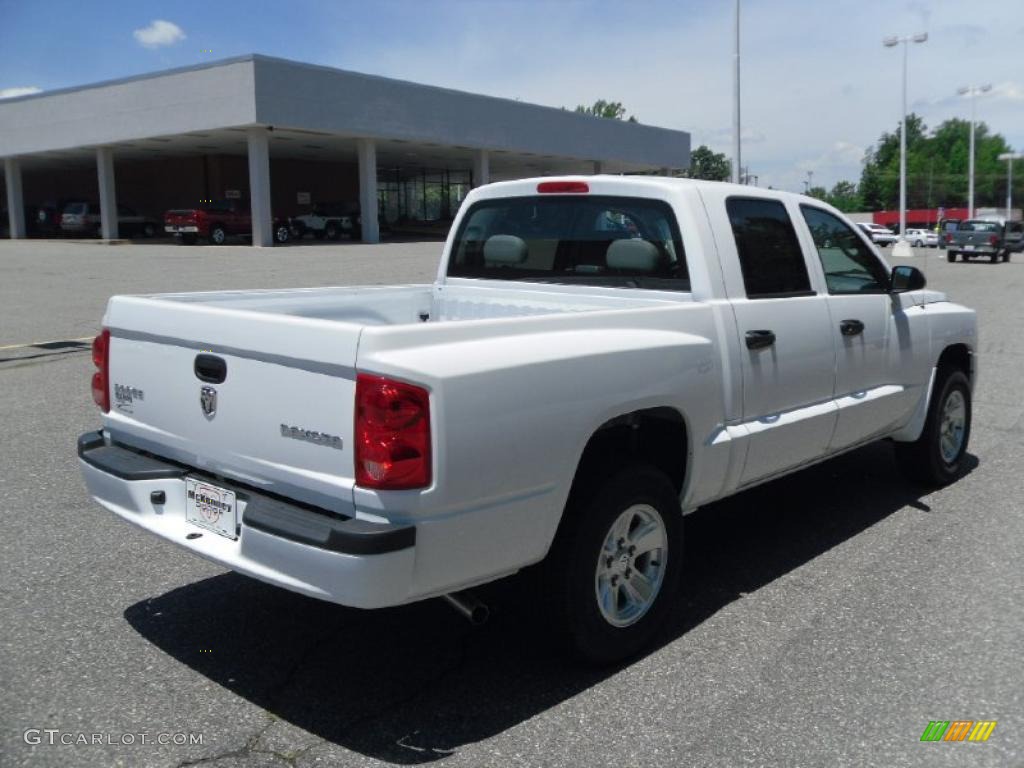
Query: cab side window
850 265
770 256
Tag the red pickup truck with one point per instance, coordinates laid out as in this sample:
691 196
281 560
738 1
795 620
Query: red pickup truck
216 221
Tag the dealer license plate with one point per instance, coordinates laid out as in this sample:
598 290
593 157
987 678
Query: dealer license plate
211 507
968 247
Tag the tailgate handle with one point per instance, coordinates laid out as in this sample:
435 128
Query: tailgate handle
210 368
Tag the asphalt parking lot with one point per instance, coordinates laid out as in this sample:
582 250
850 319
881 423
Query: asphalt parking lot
825 619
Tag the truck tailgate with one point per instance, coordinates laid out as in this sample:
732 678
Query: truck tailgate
281 419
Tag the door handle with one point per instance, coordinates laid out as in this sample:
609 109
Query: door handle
851 327
760 339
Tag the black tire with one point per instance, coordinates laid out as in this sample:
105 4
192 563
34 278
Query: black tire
331 230
298 231
918 243
218 235
1006 256
148 230
572 565
282 234
950 256
923 460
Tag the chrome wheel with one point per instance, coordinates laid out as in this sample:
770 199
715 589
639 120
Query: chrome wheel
631 565
952 426
217 236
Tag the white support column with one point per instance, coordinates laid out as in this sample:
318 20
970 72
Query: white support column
108 192
598 168
367 152
259 187
15 201
481 167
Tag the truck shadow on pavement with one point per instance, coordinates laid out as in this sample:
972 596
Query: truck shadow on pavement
413 684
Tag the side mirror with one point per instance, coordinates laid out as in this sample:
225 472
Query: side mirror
905 279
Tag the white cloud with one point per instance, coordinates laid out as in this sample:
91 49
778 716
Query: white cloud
24 90
1008 91
159 33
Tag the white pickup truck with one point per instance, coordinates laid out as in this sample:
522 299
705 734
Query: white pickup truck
597 356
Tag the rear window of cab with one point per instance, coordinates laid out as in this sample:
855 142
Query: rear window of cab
573 238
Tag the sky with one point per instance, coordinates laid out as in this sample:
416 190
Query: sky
818 87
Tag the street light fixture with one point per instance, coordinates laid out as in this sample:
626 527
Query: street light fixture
902 248
1009 157
972 91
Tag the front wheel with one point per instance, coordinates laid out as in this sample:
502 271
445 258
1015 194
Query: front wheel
282 233
936 458
617 563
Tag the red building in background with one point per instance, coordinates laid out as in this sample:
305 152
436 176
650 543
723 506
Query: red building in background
919 218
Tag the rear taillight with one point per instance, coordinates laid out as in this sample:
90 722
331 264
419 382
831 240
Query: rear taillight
101 379
993 239
563 187
392 434
949 237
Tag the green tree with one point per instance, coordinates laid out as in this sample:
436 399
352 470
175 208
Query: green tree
705 164
610 109
845 196
937 164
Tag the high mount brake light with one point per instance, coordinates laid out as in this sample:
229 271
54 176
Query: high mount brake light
563 187
392 434
101 379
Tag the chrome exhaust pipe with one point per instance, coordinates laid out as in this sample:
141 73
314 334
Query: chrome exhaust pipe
471 609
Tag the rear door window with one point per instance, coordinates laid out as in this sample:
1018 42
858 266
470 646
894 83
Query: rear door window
770 255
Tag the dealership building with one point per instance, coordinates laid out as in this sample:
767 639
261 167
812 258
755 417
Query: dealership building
279 136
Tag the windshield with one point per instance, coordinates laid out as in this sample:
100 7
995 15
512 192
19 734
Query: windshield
616 241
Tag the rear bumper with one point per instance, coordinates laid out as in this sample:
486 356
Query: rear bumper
974 250
348 561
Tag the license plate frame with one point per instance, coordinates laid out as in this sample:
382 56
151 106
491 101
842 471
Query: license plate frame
211 507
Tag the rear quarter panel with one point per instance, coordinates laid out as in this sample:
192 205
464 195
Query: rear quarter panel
514 404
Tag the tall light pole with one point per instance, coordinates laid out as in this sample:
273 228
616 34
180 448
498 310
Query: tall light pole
972 91
736 99
1009 157
890 42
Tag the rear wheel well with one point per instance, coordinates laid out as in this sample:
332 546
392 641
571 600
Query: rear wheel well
655 436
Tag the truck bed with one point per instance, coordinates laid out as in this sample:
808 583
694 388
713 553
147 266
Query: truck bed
292 358
413 304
